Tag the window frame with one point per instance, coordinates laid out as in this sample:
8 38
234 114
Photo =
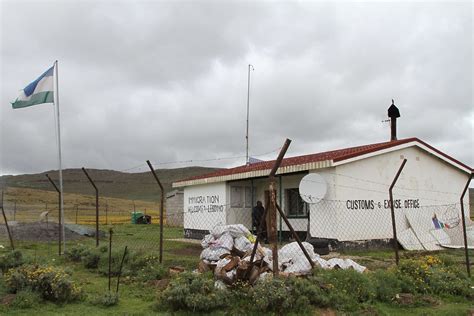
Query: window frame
299 201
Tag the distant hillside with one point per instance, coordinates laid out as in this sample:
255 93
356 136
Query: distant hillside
132 186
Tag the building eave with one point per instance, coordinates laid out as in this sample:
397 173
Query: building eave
256 174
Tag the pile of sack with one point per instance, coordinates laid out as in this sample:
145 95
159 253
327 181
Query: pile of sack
227 251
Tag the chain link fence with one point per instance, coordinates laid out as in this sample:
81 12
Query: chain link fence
329 230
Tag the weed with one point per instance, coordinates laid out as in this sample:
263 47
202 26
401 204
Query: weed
76 253
91 260
26 299
107 300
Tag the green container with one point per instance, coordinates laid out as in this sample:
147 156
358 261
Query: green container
135 216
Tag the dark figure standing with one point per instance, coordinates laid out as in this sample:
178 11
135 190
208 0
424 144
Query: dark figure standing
257 214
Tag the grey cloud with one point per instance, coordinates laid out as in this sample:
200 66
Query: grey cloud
167 81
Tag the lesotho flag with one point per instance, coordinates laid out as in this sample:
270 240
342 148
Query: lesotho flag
38 92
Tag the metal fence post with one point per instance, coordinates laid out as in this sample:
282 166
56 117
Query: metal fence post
106 212
110 255
466 252
96 207
6 225
77 209
394 224
161 208
59 212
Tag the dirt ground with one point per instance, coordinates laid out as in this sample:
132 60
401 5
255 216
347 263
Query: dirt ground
191 250
37 231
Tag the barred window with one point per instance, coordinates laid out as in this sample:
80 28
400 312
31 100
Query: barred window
248 196
236 197
295 206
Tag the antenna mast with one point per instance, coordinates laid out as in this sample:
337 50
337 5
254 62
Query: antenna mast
248 103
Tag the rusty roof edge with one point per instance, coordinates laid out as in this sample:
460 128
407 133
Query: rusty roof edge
411 143
256 174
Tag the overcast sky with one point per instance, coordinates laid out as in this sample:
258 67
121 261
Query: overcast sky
167 81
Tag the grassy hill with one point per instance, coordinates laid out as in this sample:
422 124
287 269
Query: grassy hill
115 184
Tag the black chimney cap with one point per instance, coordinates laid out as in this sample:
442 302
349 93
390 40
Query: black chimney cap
393 111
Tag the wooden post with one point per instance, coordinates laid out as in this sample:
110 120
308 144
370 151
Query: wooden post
392 209
6 225
162 202
463 215
272 226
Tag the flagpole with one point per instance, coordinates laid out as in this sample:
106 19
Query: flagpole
248 102
56 102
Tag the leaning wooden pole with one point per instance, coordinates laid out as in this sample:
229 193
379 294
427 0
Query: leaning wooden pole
463 215
272 218
295 235
394 224
6 225
161 208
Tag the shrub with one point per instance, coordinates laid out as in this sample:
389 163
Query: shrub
146 267
26 299
152 272
312 289
280 295
430 275
51 283
347 288
91 260
450 281
108 299
11 259
386 285
191 292
76 253
415 273
103 263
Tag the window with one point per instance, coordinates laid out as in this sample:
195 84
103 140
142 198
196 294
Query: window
241 197
236 197
249 199
295 206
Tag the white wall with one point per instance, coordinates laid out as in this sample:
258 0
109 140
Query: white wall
205 206
425 184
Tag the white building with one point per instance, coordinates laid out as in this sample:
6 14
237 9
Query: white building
356 205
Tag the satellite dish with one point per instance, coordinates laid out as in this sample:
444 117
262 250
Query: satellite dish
313 188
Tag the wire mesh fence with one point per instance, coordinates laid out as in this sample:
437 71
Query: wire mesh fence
324 228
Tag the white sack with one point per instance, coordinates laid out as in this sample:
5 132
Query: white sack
345 264
235 231
208 239
213 254
243 244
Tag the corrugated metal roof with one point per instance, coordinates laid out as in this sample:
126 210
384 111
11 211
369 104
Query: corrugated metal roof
301 163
